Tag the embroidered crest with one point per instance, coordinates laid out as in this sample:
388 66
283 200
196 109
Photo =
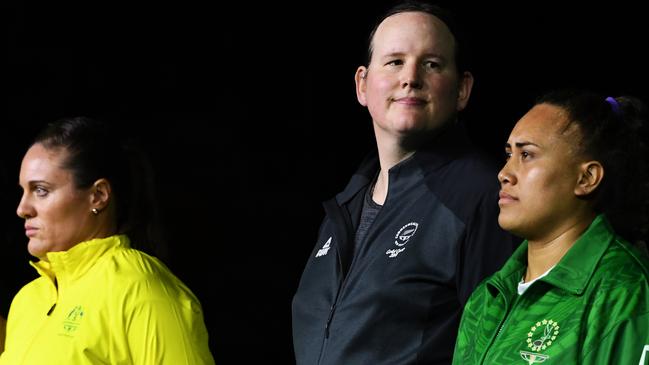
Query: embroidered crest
401 238
404 234
541 336
73 320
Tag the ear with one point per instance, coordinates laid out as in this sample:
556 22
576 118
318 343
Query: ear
464 92
100 194
361 84
591 174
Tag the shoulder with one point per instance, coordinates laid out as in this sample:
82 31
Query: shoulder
623 265
480 294
467 184
618 305
469 170
479 304
620 284
139 275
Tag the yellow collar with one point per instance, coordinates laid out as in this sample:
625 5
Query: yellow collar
67 266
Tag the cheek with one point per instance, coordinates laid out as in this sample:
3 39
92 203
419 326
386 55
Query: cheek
379 88
63 218
546 182
378 96
445 85
536 178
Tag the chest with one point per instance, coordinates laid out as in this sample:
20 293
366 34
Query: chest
70 326
412 246
549 328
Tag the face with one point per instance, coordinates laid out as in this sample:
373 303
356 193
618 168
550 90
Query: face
412 83
57 214
539 181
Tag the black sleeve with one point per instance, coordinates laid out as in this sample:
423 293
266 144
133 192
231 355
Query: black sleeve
486 246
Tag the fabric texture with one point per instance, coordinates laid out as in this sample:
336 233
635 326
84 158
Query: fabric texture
592 308
102 302
399 298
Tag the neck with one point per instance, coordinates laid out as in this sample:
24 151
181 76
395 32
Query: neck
106 227
544 253
389 156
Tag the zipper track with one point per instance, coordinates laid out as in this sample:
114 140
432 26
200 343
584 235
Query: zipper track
503 322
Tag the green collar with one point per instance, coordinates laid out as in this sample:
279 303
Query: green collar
574 270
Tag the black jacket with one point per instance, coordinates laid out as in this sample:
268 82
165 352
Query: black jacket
434 240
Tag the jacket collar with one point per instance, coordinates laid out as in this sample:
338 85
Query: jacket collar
574 270
68 266
446 146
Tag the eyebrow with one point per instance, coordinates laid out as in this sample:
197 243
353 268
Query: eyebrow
521 144
34 182
427 55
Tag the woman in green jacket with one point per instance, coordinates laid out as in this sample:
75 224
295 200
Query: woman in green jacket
575 292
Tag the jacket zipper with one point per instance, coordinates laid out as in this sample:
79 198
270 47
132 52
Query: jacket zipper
331 314
327 324
501 325
43 324
334 211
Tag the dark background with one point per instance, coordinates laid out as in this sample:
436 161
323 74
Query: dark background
250 114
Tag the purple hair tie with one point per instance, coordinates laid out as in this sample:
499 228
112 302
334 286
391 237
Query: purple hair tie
614 105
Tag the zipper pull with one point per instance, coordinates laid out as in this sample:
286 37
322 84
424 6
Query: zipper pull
51 309
331 314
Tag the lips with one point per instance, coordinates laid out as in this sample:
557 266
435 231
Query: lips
409 100
30 231
506 198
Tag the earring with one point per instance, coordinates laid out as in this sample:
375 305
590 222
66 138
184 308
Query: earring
95 211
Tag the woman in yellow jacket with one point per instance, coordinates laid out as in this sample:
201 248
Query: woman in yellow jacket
98 300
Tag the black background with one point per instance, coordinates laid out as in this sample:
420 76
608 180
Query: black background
249 112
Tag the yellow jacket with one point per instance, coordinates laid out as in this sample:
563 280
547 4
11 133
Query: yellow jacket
102 302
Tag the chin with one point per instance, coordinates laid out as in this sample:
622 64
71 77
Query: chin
515 227
36 249
507 223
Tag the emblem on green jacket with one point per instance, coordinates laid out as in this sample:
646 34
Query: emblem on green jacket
541 336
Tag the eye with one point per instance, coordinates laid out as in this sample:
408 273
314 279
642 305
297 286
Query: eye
432 64
508 155
525 155
40 191
395 62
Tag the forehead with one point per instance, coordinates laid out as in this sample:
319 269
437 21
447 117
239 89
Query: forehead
397 32
45 164
543 123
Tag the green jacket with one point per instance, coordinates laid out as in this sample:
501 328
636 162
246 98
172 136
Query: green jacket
592 308
102 302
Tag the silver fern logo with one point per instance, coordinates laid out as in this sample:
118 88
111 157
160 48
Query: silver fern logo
405 233
401 238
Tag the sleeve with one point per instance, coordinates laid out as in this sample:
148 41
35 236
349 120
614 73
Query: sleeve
626 343
461 354
165 326
485 248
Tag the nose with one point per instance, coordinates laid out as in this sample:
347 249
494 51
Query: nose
25 210
505 176
411 77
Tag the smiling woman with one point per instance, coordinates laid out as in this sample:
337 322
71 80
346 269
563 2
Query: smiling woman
576 291
98 299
